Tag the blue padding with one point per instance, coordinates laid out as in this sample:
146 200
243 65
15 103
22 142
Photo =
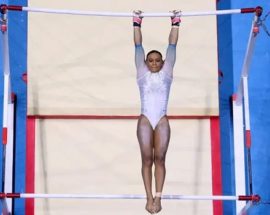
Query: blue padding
225 64
18 53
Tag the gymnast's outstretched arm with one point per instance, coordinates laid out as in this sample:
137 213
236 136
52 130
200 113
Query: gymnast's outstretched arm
173 37
139 50
137 20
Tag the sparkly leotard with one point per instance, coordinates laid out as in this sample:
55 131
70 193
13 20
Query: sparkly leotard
154 87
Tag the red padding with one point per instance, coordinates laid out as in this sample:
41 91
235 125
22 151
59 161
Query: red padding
234 97
2 195
3 28
13 195
248 10
10 195
4 135
14 7
254 198
248 139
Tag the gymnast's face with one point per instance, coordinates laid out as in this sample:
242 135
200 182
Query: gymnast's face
154 62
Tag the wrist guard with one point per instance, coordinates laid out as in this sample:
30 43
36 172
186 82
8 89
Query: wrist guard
175 21
137 21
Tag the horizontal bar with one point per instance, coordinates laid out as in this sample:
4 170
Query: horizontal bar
95 196
115 117
129 14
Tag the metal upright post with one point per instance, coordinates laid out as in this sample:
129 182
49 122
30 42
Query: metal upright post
241 121
8 118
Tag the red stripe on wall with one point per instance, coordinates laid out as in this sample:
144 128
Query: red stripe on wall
30 164
216 164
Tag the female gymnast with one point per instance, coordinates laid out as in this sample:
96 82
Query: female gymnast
154 78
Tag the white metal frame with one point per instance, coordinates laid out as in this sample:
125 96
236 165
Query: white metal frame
241 125
8 119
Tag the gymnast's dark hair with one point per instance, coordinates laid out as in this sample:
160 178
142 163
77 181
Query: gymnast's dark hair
153 51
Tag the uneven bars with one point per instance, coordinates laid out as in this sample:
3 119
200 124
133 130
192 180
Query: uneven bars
255 198
115 14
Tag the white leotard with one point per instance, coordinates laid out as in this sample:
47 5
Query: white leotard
154 87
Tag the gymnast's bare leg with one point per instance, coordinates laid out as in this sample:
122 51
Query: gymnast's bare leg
161 142
145 136
154 145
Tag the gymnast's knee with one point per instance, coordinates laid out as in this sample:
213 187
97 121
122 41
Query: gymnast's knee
147 160
160 160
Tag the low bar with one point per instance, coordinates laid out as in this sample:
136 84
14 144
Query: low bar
255 198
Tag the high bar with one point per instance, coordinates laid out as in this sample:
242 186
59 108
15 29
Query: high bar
255 198
4 8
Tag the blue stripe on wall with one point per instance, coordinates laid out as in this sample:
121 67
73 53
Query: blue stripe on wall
18 52
225 62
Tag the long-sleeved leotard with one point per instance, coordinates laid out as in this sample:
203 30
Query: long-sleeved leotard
154 87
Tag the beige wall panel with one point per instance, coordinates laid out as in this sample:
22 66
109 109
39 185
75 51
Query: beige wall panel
103 157
80 65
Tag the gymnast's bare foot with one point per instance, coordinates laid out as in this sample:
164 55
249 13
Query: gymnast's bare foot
157 204
150 205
